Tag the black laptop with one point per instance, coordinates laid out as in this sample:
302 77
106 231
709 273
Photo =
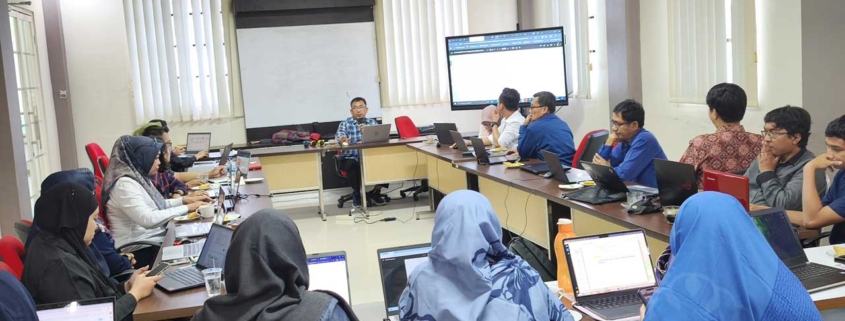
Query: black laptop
213 254
481 153
460 144
554 166
775 226
442 130
609 187
676 182
591 147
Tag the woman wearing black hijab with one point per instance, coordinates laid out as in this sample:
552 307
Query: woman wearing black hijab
58 267
267 277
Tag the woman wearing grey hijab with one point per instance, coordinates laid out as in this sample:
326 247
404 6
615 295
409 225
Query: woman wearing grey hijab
267 277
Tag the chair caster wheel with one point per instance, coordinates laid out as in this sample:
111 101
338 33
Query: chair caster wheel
403 195
386 199
339 205
416 198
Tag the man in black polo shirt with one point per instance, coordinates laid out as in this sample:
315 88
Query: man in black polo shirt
820 212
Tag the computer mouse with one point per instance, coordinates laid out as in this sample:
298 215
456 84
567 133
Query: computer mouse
184 240
547 175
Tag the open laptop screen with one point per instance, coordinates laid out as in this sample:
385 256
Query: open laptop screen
198 142
94 309
327 271
775 226
396 265
609 263
216 245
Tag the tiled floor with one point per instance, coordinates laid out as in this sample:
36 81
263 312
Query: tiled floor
359 240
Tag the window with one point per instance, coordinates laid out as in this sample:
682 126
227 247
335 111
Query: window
573 15
178 59
710 42
33 124
412 49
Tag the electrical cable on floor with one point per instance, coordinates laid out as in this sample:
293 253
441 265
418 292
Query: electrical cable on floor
526 216
414 214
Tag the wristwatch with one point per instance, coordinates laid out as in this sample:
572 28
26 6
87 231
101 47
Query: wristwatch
492 123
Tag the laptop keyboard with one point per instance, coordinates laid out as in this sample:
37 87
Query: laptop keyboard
613 302
596 195
189 276
813 270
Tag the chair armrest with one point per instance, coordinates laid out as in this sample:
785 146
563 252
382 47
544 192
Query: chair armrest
130 244
813 241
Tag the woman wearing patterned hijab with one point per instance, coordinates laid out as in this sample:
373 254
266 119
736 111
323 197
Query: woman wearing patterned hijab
135 208
471 275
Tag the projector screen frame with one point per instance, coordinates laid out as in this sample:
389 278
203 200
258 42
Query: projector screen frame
522 104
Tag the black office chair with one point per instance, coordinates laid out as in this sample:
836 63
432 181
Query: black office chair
417 190
342 173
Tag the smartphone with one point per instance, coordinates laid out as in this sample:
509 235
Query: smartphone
646 293
839 259
159 269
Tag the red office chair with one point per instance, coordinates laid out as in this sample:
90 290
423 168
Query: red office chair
590 145
342 173
407 129
13 252
94 152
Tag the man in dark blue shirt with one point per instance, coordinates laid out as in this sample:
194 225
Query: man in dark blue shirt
633 157
820 212
543 130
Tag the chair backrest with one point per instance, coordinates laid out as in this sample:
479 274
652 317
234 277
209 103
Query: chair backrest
22 229
12 251
340 172
589 147
103 163
406 128
94 152
98 193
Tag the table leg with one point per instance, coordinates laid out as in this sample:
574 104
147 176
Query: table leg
322 209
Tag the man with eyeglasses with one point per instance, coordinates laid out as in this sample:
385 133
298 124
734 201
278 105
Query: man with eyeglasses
349 132
776 177
633 157
172 184
543 130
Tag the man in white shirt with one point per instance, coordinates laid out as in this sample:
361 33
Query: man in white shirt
506 133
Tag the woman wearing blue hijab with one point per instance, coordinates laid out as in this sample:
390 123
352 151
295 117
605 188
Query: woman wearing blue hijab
470 275
724 269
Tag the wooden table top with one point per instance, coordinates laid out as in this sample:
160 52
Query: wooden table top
160 305
443 153
299 149
548 189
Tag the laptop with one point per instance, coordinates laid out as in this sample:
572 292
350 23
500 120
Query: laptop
177 252
242 161
192 230
329 271
93 309
223 160
776 228
442 130
213 254
591 147
676 182
609 187
606 272
375 134
461 144
557 169
482 155
731 184
395 265
197 142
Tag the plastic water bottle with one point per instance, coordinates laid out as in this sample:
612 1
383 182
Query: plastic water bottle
564 231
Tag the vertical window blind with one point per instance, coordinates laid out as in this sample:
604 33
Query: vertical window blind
412 49
710 42
178 59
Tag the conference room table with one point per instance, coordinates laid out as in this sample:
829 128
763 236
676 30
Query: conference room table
162 305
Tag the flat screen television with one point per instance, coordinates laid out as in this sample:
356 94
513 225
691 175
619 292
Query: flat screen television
530 61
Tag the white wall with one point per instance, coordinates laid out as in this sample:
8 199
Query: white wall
779 73
491 15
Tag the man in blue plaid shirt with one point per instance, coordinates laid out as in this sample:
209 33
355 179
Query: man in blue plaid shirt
349 132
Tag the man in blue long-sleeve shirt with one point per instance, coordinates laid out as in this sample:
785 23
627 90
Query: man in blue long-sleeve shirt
633 158
543 130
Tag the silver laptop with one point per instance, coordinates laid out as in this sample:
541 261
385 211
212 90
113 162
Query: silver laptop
197 142
170 253
395 265
193 229
375 133
607 270
329 271
93 309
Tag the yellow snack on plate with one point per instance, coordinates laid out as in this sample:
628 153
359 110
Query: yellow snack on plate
205 186
193 215
513 164
589 183
840 250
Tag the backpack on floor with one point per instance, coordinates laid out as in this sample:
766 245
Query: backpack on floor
535 257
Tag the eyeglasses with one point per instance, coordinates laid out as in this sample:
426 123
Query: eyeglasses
772 133
617 124
532 107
